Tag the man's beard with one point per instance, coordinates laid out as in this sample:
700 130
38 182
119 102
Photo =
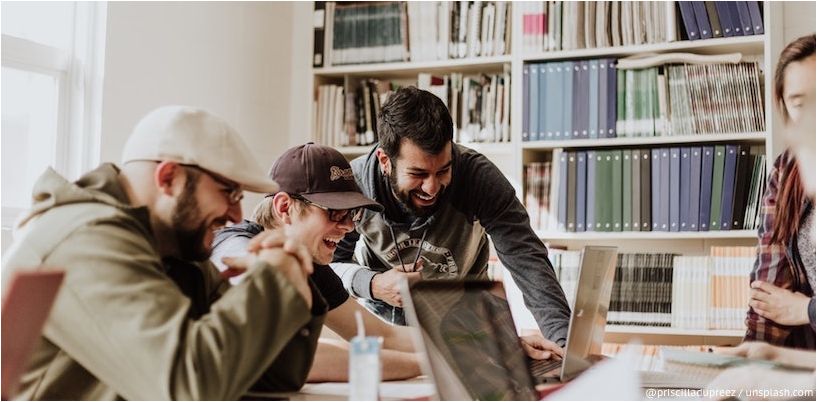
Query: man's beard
190 241
404 198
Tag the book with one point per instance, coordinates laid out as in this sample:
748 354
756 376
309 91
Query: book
617 189
684 190
745 18
563 191
318 27
635 180
729 180
688 16
743 177
695 172
572 178
756 16
701 19
705 203
655 176
646 191
712 13
626 190
725 18
675 190
717 187
664 191
526 101
590 202
533 124
581 190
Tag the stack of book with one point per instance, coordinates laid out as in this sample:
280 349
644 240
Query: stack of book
556 25
590 99
718 19
696 188
349 118
666 290
479 105
712 292
363 32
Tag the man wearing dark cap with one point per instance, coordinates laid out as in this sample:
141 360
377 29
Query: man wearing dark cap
142 314
317 204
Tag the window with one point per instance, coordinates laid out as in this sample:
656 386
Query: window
52 63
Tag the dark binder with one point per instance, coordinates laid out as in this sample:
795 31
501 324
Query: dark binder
617 190
755 16
725 19
655 165
593 98
646 191
612 88
727 199
688 17
743 176
674 189
581 190
626 190
702 19
704 208
635 179
745 18
319 21
590 202
664 204
571 191
717 188
555 103
683 195
526 103
712 12
562 217
694 194
737 25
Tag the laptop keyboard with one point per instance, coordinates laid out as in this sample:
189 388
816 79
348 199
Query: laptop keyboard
539 368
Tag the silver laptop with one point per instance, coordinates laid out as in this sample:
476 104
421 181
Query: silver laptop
466 330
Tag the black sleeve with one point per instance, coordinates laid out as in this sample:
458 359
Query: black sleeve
502 215
330 286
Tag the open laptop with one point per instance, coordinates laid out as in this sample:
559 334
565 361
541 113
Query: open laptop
473 350
27 300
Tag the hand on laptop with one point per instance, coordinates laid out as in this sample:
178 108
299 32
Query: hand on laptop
386 285
537 347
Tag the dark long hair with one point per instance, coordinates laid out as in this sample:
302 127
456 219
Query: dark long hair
791 196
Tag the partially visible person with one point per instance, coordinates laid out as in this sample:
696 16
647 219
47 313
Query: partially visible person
782 296
779 354
317 204
142 314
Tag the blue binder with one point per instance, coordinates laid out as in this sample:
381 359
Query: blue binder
704 28
705 208
683 195
674 189
655 178
729 168
526 103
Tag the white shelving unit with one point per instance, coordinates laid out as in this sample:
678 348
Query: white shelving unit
511 157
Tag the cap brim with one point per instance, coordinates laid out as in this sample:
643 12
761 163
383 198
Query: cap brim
343 200
257 185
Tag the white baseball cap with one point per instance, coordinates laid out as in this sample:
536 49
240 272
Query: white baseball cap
193 136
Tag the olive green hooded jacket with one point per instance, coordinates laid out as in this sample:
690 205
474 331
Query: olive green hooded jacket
128 325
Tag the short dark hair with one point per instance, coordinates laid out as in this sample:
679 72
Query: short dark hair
416 115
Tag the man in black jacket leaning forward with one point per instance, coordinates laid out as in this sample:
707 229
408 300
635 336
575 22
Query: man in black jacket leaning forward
441 201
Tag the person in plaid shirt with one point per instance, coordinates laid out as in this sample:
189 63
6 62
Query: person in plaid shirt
782 297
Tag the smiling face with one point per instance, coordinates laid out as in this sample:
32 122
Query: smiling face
418 178
798 97
202 207
310 225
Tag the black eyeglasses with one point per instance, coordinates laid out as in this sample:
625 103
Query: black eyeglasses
233 192
335 215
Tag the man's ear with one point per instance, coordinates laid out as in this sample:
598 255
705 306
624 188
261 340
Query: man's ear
165 174
282 207
384 160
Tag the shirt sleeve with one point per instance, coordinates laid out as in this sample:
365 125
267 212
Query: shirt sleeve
330 286
771 264
519 249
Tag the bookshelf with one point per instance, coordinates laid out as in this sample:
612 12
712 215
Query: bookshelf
511 157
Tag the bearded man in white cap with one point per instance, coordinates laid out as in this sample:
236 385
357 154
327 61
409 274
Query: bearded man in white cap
142 313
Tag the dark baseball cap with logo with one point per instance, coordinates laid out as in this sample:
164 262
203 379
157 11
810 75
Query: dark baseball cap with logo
321 175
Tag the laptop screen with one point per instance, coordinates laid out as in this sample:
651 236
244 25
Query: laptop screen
470 327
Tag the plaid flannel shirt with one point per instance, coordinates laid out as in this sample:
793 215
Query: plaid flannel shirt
774 265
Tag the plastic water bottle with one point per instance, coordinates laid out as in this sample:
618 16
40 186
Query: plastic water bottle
364 365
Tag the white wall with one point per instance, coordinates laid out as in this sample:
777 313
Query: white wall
232 58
